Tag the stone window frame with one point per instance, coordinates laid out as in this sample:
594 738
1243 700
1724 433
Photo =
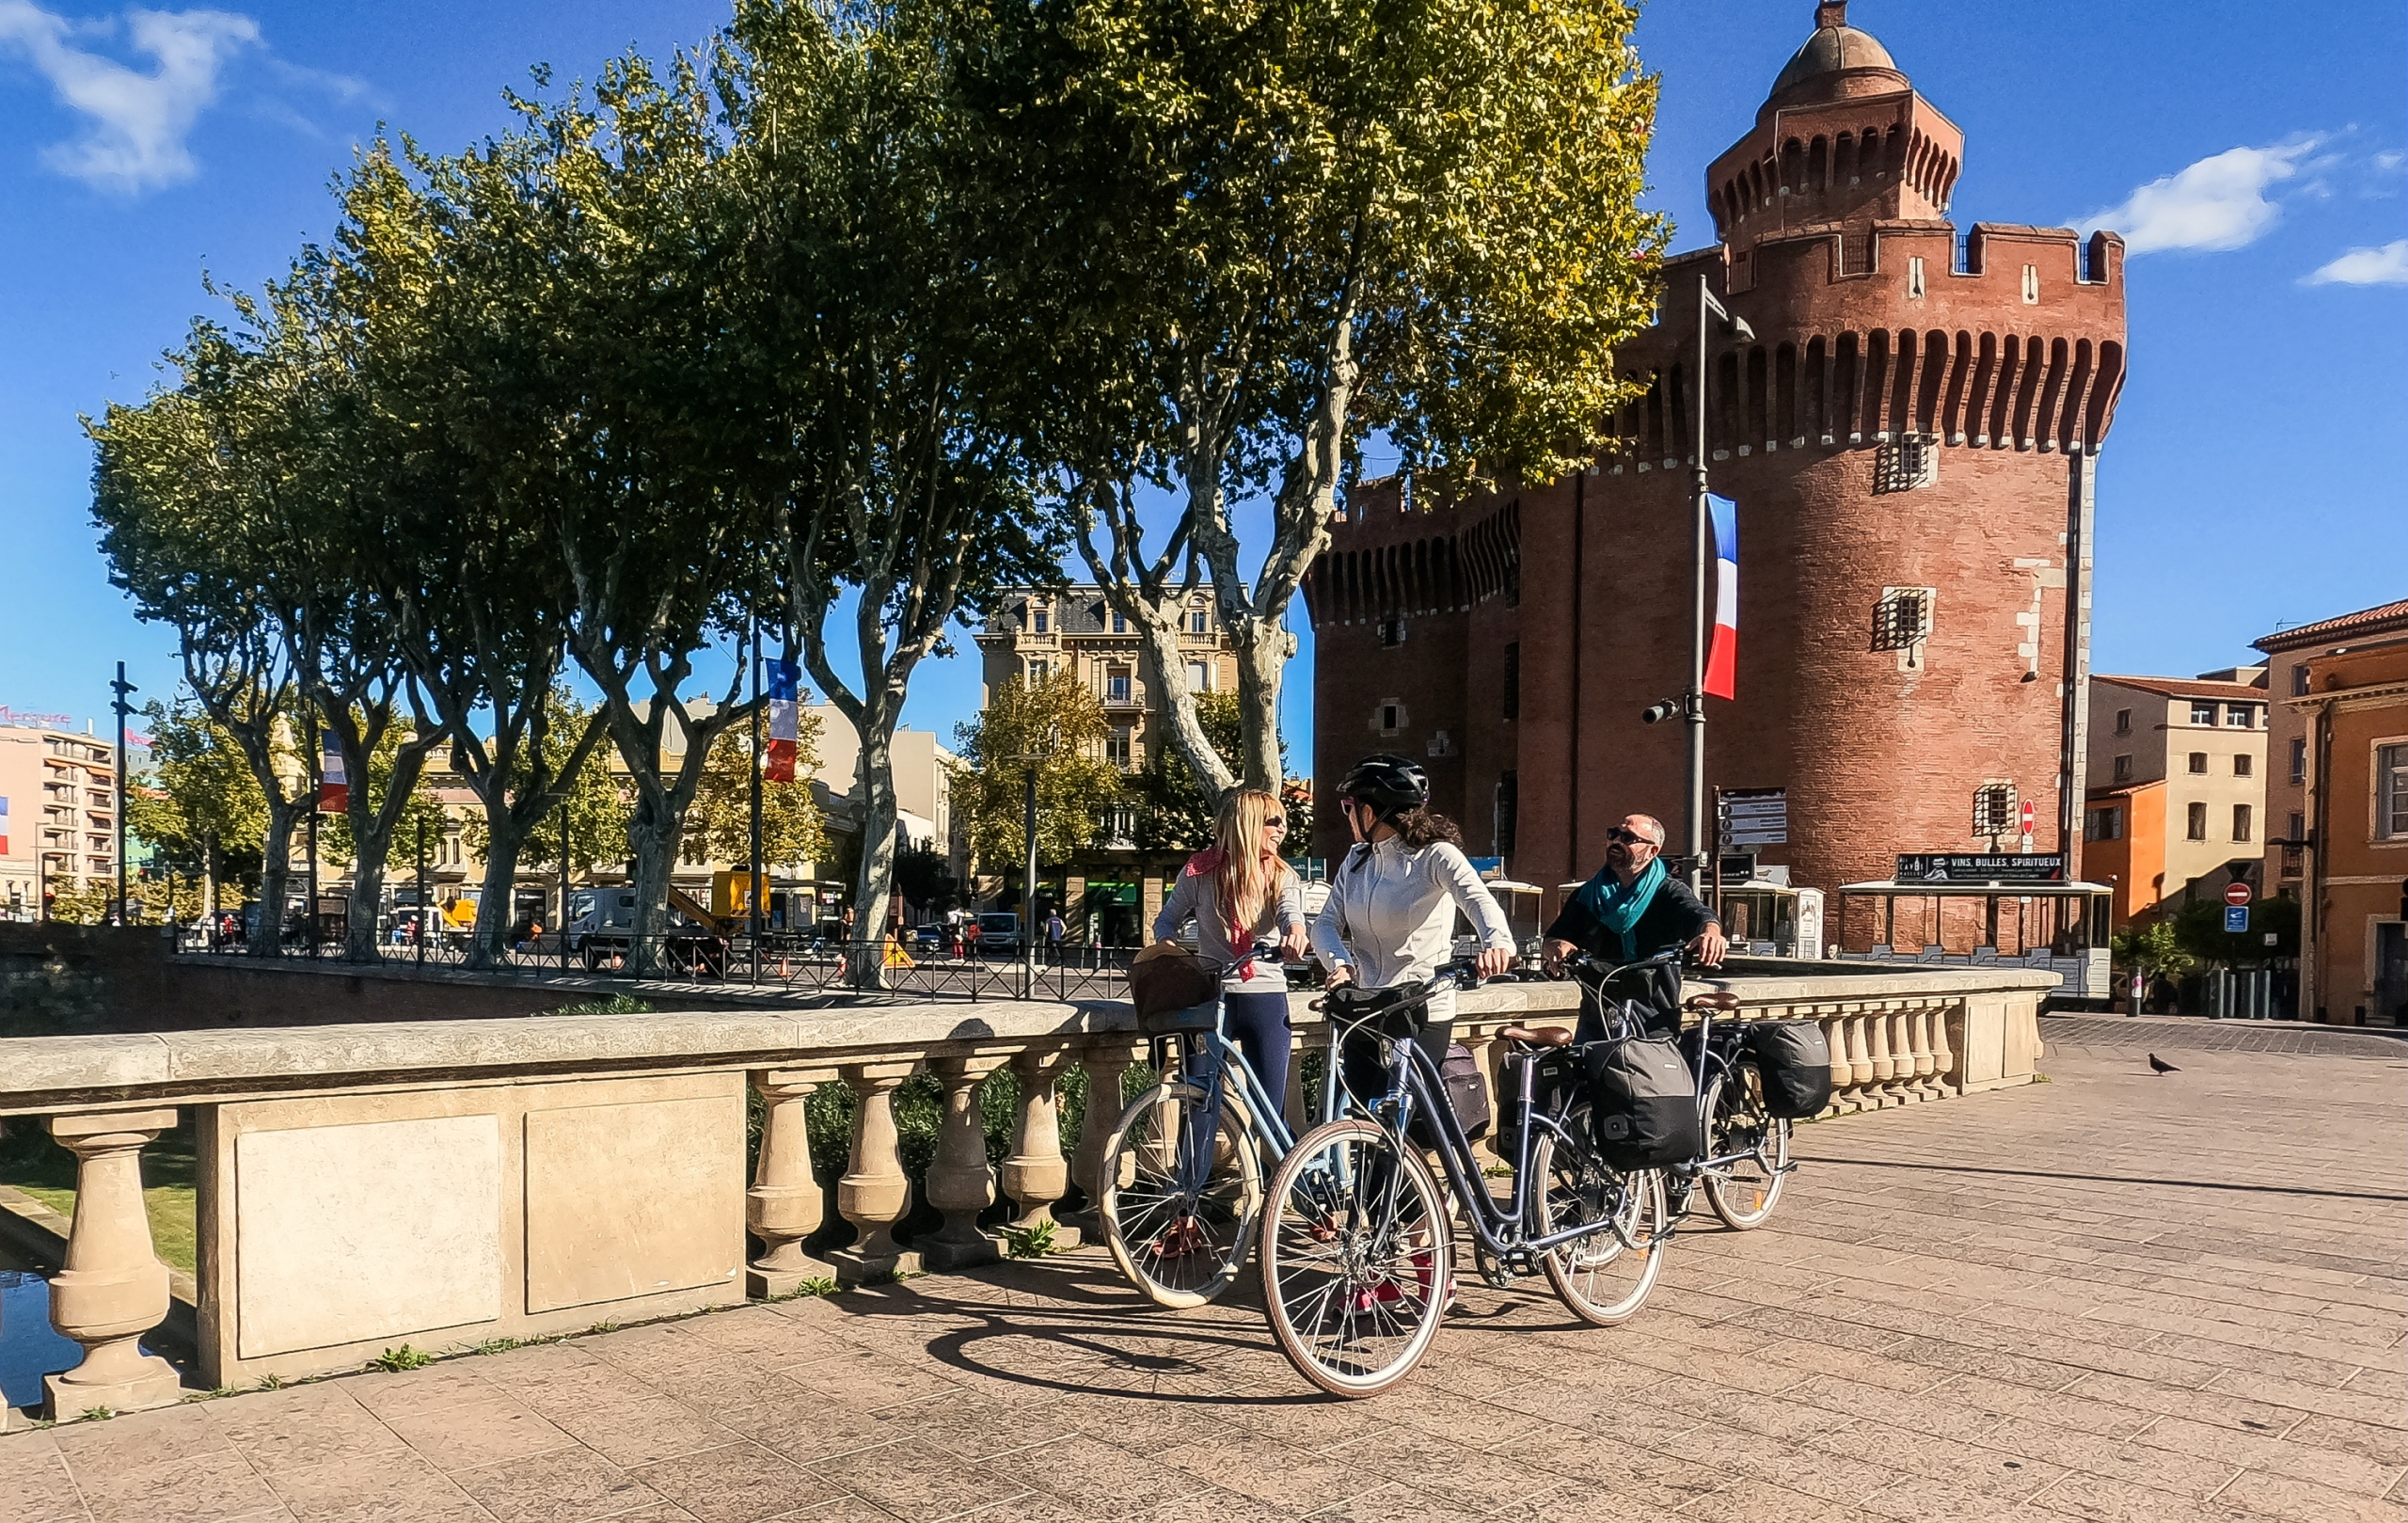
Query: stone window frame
1902 621
2388 790
2244 765
2194 821
2199 764
2244 823
1389 718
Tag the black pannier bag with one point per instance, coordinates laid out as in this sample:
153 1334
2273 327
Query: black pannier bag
1371 1011
1642 1102
1466 1092
1559 1074
1794 1058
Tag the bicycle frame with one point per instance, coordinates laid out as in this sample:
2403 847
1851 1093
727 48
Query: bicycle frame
1707 1066
1414 1080
1221 1056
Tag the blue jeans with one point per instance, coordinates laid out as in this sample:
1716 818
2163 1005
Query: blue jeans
1258 1022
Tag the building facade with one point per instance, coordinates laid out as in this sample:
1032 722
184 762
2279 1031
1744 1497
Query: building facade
2176 790
1910 438
59 821
2338 793
1111 894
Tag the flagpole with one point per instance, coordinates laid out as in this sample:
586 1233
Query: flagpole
753 889
1694 702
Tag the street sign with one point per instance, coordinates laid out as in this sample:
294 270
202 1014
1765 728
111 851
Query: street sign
2027 817
1753 817
2236 918
2236 894
1981 868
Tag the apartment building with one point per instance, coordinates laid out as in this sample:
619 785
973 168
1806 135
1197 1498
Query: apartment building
1041 631
2339 795
2176 784
58 812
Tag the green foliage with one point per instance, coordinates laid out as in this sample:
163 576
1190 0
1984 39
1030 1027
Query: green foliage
420 809
198 804
592 801
1034 1241
719 826
95 1414
2154 948
2198 931
497 1345
607 1005
1060 720
394 1360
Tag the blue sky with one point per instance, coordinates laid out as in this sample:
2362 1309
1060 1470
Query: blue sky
2257 155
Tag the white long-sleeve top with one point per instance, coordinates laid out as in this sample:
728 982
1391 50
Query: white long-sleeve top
1391 915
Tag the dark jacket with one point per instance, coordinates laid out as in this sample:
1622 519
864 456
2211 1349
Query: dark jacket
1674 917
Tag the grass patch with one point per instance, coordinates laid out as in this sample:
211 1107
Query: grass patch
610 1005
36 1164
394 1360
1034 1241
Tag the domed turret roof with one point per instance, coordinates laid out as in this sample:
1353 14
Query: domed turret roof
1834 46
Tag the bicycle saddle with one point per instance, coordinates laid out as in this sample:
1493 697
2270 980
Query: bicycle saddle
1721 999
1540 1036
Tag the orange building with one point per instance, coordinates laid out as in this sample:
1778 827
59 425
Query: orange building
2338 793
2124 846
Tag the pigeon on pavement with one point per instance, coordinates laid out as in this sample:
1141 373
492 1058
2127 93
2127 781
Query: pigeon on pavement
2161 1065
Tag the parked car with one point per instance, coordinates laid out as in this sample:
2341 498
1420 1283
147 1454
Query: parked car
998 931
929 940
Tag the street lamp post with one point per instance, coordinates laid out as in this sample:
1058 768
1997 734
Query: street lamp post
1029 762
120 686
1702 572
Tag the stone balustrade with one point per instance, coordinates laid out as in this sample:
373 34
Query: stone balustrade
451 1183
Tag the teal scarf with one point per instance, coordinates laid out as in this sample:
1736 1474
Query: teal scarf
1619 908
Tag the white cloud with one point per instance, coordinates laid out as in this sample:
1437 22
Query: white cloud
2219 202
2384 267
135 137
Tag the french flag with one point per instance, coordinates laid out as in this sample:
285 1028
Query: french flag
1723 655
785 687
4 824
334 789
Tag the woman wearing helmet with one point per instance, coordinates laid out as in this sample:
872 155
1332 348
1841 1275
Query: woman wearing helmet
1392 911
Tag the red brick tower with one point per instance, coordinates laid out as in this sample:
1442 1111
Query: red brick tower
1911 438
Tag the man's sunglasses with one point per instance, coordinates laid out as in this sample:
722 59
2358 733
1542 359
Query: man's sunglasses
1627 837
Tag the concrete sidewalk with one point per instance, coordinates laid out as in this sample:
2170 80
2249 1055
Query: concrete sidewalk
2114 1296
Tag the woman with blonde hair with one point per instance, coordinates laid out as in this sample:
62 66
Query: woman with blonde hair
1239 893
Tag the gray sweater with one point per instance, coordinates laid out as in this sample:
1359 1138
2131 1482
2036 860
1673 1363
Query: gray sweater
1194 899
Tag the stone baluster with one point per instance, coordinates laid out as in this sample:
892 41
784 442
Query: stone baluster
1943 1061
113 1288
874 1194
1902 1059
1859 1063
1835 1037
1036 1175
959 1182
1949 1028
1107 1063
785 1204
1926 1088
1885 1067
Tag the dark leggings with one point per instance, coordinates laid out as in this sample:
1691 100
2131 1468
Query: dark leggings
1259 1024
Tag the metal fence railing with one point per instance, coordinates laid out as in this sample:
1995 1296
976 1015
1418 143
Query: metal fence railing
788 964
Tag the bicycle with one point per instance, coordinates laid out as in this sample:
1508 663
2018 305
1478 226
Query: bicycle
1746 1158
1182 1185
1356 1244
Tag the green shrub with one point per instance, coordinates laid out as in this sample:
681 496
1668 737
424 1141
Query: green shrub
394 1360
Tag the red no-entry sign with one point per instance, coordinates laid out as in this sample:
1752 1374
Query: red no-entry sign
2236 894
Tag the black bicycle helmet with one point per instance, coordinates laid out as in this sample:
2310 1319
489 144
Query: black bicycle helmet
1388 782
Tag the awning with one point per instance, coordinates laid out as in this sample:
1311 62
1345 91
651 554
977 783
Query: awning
2000 890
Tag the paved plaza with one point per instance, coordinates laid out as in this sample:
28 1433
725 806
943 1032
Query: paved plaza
2114 1296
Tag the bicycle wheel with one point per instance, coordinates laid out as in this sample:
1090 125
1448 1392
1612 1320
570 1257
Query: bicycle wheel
1354 1256
1744 1192
1605 1275
1181 1249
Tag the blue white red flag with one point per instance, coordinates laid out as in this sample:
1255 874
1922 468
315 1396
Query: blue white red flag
785 688
334 789
1723 655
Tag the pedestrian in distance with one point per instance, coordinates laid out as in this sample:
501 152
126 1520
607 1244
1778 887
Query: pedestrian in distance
1055 931
1632 910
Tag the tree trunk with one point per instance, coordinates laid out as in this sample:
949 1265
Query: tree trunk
499 896
276 868
1162 666
875 888
359 911
1263 661
652 837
